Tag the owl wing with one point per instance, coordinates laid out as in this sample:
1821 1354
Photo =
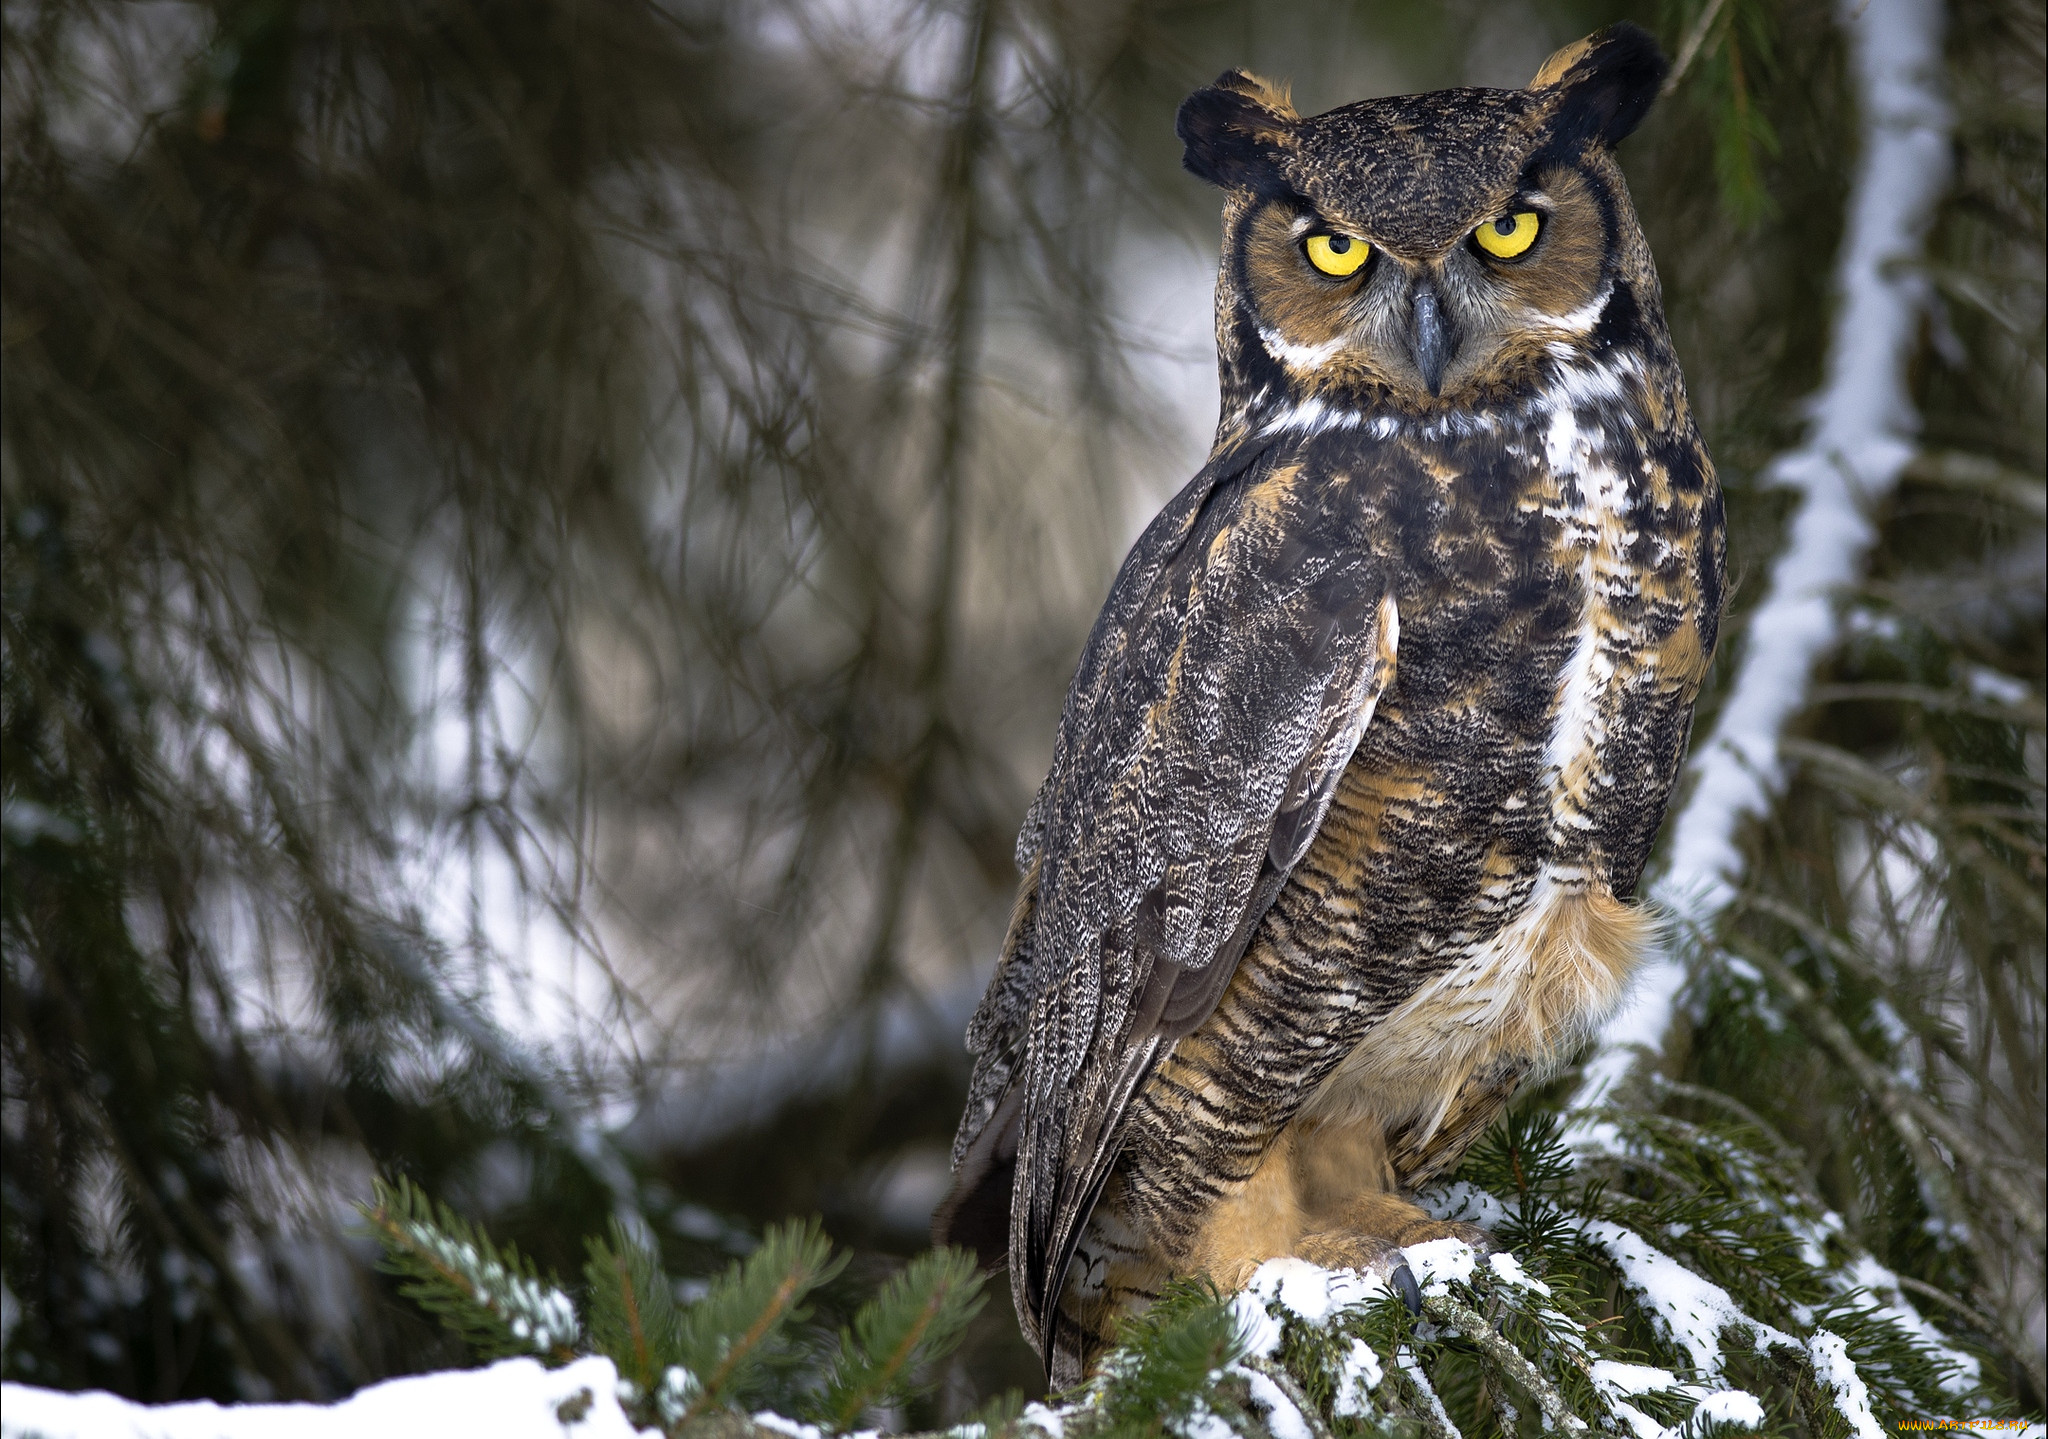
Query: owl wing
1222 692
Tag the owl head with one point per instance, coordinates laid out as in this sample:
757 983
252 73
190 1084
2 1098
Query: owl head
1427 254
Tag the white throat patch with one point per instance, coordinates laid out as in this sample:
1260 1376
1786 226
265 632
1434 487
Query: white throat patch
1298 357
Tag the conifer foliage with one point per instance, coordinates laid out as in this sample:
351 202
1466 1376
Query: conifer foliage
1659 1275
620 484
745 1341
490 1296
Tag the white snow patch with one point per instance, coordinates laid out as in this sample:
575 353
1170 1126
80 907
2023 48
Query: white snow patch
512 1399
1462 1200
1509 1270
1833 1368
1259 1330
1883 1297
1282 1418
1047 1421
1599 1137
1632 1379
1310 1292
1413 1370
1730 1406
1720 1406
1690 1312
769 1419
1359 1376
678 1388
1997 687
1641 1424
1441 1262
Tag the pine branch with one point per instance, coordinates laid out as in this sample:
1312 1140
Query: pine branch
1959 470
1862 778
919 1314
493 1298
1819 938
679 1366
1910 1113
1291 1390
1163 1372
632 1311
1425 1403
1300 1346
1445 1309
1689 49
726 1338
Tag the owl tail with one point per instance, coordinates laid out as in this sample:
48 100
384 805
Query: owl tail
975 1214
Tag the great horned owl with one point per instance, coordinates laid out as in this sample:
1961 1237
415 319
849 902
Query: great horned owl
1367 748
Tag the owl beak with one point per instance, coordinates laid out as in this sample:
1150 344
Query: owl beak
1431 341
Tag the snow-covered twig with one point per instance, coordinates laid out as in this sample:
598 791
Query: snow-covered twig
1915 1120
1428 1406
1447 1309
1858 445
1311 1419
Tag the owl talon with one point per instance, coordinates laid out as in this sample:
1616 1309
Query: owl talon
1403 1280
1481 1242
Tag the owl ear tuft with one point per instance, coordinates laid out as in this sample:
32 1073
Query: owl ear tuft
1605 84
1236 131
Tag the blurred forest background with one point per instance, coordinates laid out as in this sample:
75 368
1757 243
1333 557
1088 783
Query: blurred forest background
544 543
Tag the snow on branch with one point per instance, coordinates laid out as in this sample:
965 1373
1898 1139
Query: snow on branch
1299 1352
1858 444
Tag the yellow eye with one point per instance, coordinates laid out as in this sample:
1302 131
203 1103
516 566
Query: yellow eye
1338 255
1508 236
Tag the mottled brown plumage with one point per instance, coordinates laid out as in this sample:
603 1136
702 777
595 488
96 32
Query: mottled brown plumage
1366 752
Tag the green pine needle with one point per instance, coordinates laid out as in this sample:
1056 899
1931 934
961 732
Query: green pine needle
733 1337
633 1318
999 1418
1163 1372
1565 1329
1734 58
920 1316
492 1297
